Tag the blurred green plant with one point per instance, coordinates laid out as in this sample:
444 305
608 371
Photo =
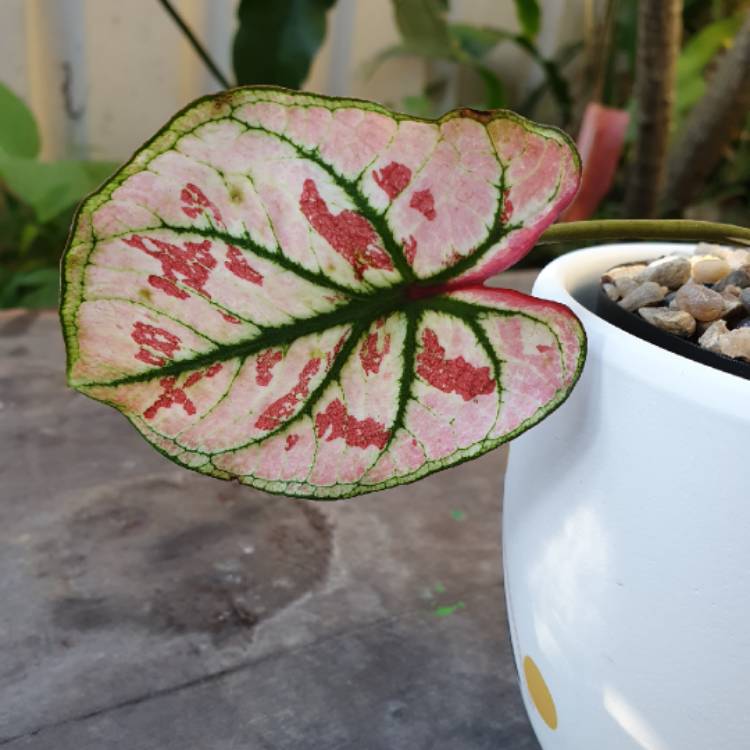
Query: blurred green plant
696 55
426 33
276 41
37 200
276 44
712 33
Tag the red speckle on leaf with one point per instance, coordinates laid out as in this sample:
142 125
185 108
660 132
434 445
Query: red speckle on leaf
410 249
507 207
237 264
283 407
357 433
369 355
424 202
192 379
159 339
392 178
330 356
348 233
230 318
172 395
264 364
169 396
191 265
196 203
291 441
451 375
168 287
544 348
150 359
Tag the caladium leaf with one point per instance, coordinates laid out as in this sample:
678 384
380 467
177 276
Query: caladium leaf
285 289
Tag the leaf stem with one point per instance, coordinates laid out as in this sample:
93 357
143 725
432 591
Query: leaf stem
195 44
682 230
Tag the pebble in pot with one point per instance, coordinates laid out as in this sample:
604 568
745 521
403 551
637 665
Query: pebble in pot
702 303
709 270
625 285
678 322
734 256
736 343
733 306
671 272
648 293
704 298
712 336
621 280
739 278
611 291
623 272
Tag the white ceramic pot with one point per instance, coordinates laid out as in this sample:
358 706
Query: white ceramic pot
626 542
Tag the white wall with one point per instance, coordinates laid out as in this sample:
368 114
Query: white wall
129 68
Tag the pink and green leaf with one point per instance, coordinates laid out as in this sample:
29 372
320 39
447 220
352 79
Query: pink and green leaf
285 289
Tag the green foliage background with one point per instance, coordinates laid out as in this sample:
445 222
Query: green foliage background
37 201
276 43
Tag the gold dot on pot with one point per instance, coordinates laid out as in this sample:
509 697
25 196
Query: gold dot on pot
539 692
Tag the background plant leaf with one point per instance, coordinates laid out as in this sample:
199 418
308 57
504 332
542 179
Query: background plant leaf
418 105
395 51
529 16
476 42
494 89
479 41
423 25
19 135
695 56
51 187
31 289
563 58
276 41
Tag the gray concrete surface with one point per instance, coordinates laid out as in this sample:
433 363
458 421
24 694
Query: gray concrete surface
146 607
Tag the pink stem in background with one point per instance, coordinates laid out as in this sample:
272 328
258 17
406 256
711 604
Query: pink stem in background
600 143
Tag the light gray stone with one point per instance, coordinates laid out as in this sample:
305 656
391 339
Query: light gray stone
678 322
648 293
625 285
711 338
672 271
736 343
739 278
623 272
702 303
611 291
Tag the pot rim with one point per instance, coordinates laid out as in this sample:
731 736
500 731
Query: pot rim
564 279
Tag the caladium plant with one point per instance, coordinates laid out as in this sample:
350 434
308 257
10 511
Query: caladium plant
287 289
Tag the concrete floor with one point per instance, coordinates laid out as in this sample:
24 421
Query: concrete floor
146 607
